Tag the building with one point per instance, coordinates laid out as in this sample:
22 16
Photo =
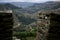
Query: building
54 30
6 25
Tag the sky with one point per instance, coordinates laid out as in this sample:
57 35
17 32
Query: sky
36 1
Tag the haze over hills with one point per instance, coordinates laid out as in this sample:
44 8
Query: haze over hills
32 7
43 6
35 7
25 14
7 6
22 4
29 12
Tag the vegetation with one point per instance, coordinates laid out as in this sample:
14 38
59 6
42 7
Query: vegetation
27 17
23 35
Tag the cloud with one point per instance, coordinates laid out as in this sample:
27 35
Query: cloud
57 0
24 0
16 0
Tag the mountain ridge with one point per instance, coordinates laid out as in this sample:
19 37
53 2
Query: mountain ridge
22 4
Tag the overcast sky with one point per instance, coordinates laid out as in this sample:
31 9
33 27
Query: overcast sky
37 1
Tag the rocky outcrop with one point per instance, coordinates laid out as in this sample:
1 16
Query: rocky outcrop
42 26
49 25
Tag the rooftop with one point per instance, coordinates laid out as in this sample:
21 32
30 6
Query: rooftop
6 11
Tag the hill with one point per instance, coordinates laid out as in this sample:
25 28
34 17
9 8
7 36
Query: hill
43 6
22 4
28 15
7 6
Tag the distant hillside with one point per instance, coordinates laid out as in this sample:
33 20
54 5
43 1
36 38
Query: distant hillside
18 12
28 15
25 7
56 11
7 6
43 6
24 18
22 4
